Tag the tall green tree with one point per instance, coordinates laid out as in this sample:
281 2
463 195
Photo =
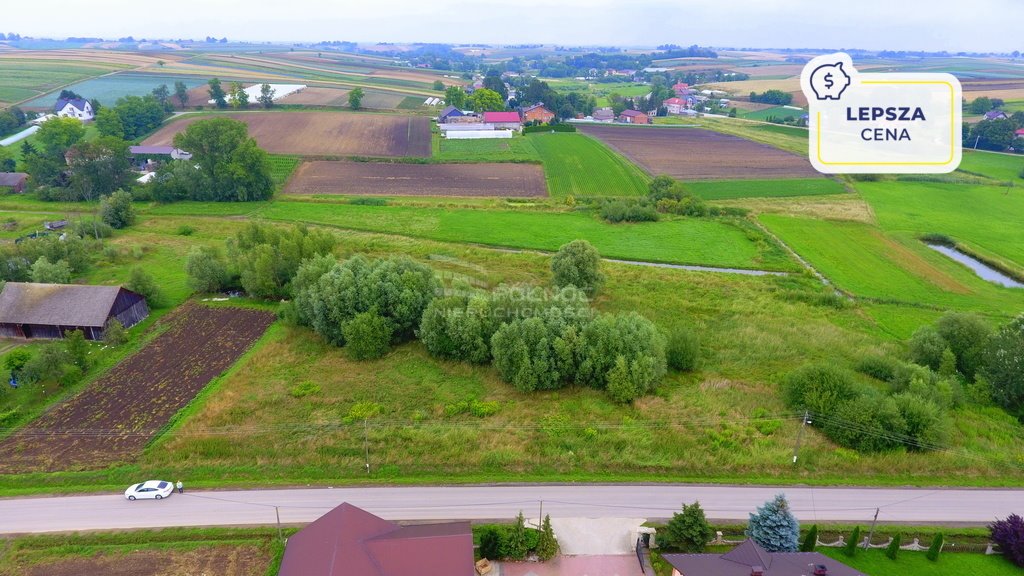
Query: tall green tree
99 167
162 94
577 264
266 98
117 209
1004 366
455 96
484 100
850 549
217 93
810 540
234 166
143 284
547 545
687 531
181 93
46 272
58 135
355 98
239 97
108 123
493 81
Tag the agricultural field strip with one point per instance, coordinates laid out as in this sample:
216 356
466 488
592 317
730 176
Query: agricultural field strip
115 416
383 179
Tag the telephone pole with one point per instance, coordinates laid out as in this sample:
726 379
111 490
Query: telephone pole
800 435
366 442
872 531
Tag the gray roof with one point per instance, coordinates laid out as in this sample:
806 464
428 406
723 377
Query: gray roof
77 103
156 150
740 560
12 178
56 304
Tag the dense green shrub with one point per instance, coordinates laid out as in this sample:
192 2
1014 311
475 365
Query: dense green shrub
114 333
878 367
547 545
892 551
850 549
967 335
459 328
810 540
398 289
820 388
46 272
926 346
267 257
687 531
866 423
117 210
1004 366
628 210
535 353
935 549
682 349
367 336
577 264
207 270
624 349
142 283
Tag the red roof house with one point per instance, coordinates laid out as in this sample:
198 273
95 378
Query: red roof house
538 113
680 88
501 118
349 541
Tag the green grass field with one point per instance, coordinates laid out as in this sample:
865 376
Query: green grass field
876 563
731 189
21 79
575 164
1003 167
109 88
516 149
867 262
777 112
680 241
985 218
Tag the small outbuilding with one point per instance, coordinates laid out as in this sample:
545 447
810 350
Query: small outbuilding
13 181
349 541
30 310
634 117
503 120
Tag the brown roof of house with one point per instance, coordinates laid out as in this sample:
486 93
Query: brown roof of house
632 113
56 304
740 560
11 179
349 541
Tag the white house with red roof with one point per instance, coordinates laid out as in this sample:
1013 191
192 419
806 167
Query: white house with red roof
503 120
675 105
681 88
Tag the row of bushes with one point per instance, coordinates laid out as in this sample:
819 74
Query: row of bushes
516 542
665 196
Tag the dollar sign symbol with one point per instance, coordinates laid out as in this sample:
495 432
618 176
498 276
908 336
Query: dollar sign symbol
828 80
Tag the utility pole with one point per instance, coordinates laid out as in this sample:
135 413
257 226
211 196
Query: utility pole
872 531
366 443
277 512
800 435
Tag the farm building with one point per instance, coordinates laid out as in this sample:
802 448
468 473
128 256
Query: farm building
13 181
503 120
750 558
538 113
349 541
603 115
449 112
74 108
29 310
633 117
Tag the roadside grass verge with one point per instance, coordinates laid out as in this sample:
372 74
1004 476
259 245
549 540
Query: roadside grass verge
732 189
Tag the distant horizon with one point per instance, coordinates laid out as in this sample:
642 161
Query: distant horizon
986 26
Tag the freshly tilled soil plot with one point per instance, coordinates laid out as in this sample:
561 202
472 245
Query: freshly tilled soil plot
322 133
115 416
219 560
376 178
698 154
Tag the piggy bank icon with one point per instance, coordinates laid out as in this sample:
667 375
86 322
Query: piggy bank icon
829 81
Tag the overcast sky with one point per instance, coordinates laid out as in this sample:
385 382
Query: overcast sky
977 25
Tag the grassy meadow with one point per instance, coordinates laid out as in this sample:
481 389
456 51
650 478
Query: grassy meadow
578 165
876 563
732 189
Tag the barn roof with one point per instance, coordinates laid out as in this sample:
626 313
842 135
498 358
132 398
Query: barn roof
56 304
501 117
12 178
351 541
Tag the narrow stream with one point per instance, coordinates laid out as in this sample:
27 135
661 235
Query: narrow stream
983 270
700 268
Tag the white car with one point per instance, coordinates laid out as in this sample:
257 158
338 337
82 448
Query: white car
156 489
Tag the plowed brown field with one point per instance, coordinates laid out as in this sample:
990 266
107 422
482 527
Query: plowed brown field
115 416
698 154
323 133
375 178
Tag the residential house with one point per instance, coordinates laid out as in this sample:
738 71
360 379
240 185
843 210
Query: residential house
603 115
681 89
634 117
74 108
538 113
995 115
675 105
13 181
349 541
503 120
1019 133
29 310
749 559
448 112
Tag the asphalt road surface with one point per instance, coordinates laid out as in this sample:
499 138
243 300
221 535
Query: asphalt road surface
296 506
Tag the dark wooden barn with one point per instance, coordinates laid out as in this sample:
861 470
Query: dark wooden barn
30 310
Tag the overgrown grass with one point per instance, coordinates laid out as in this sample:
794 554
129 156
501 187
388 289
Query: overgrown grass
1002 167
731 189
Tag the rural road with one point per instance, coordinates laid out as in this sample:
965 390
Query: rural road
254 507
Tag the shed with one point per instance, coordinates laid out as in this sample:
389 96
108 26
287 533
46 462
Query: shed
449 112
13 180
349 541
503 120
30 310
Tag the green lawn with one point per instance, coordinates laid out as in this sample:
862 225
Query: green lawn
867 262
985 218
777 111
730 189
876 563
21 79
515 149
1005 167
681 241
578 165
